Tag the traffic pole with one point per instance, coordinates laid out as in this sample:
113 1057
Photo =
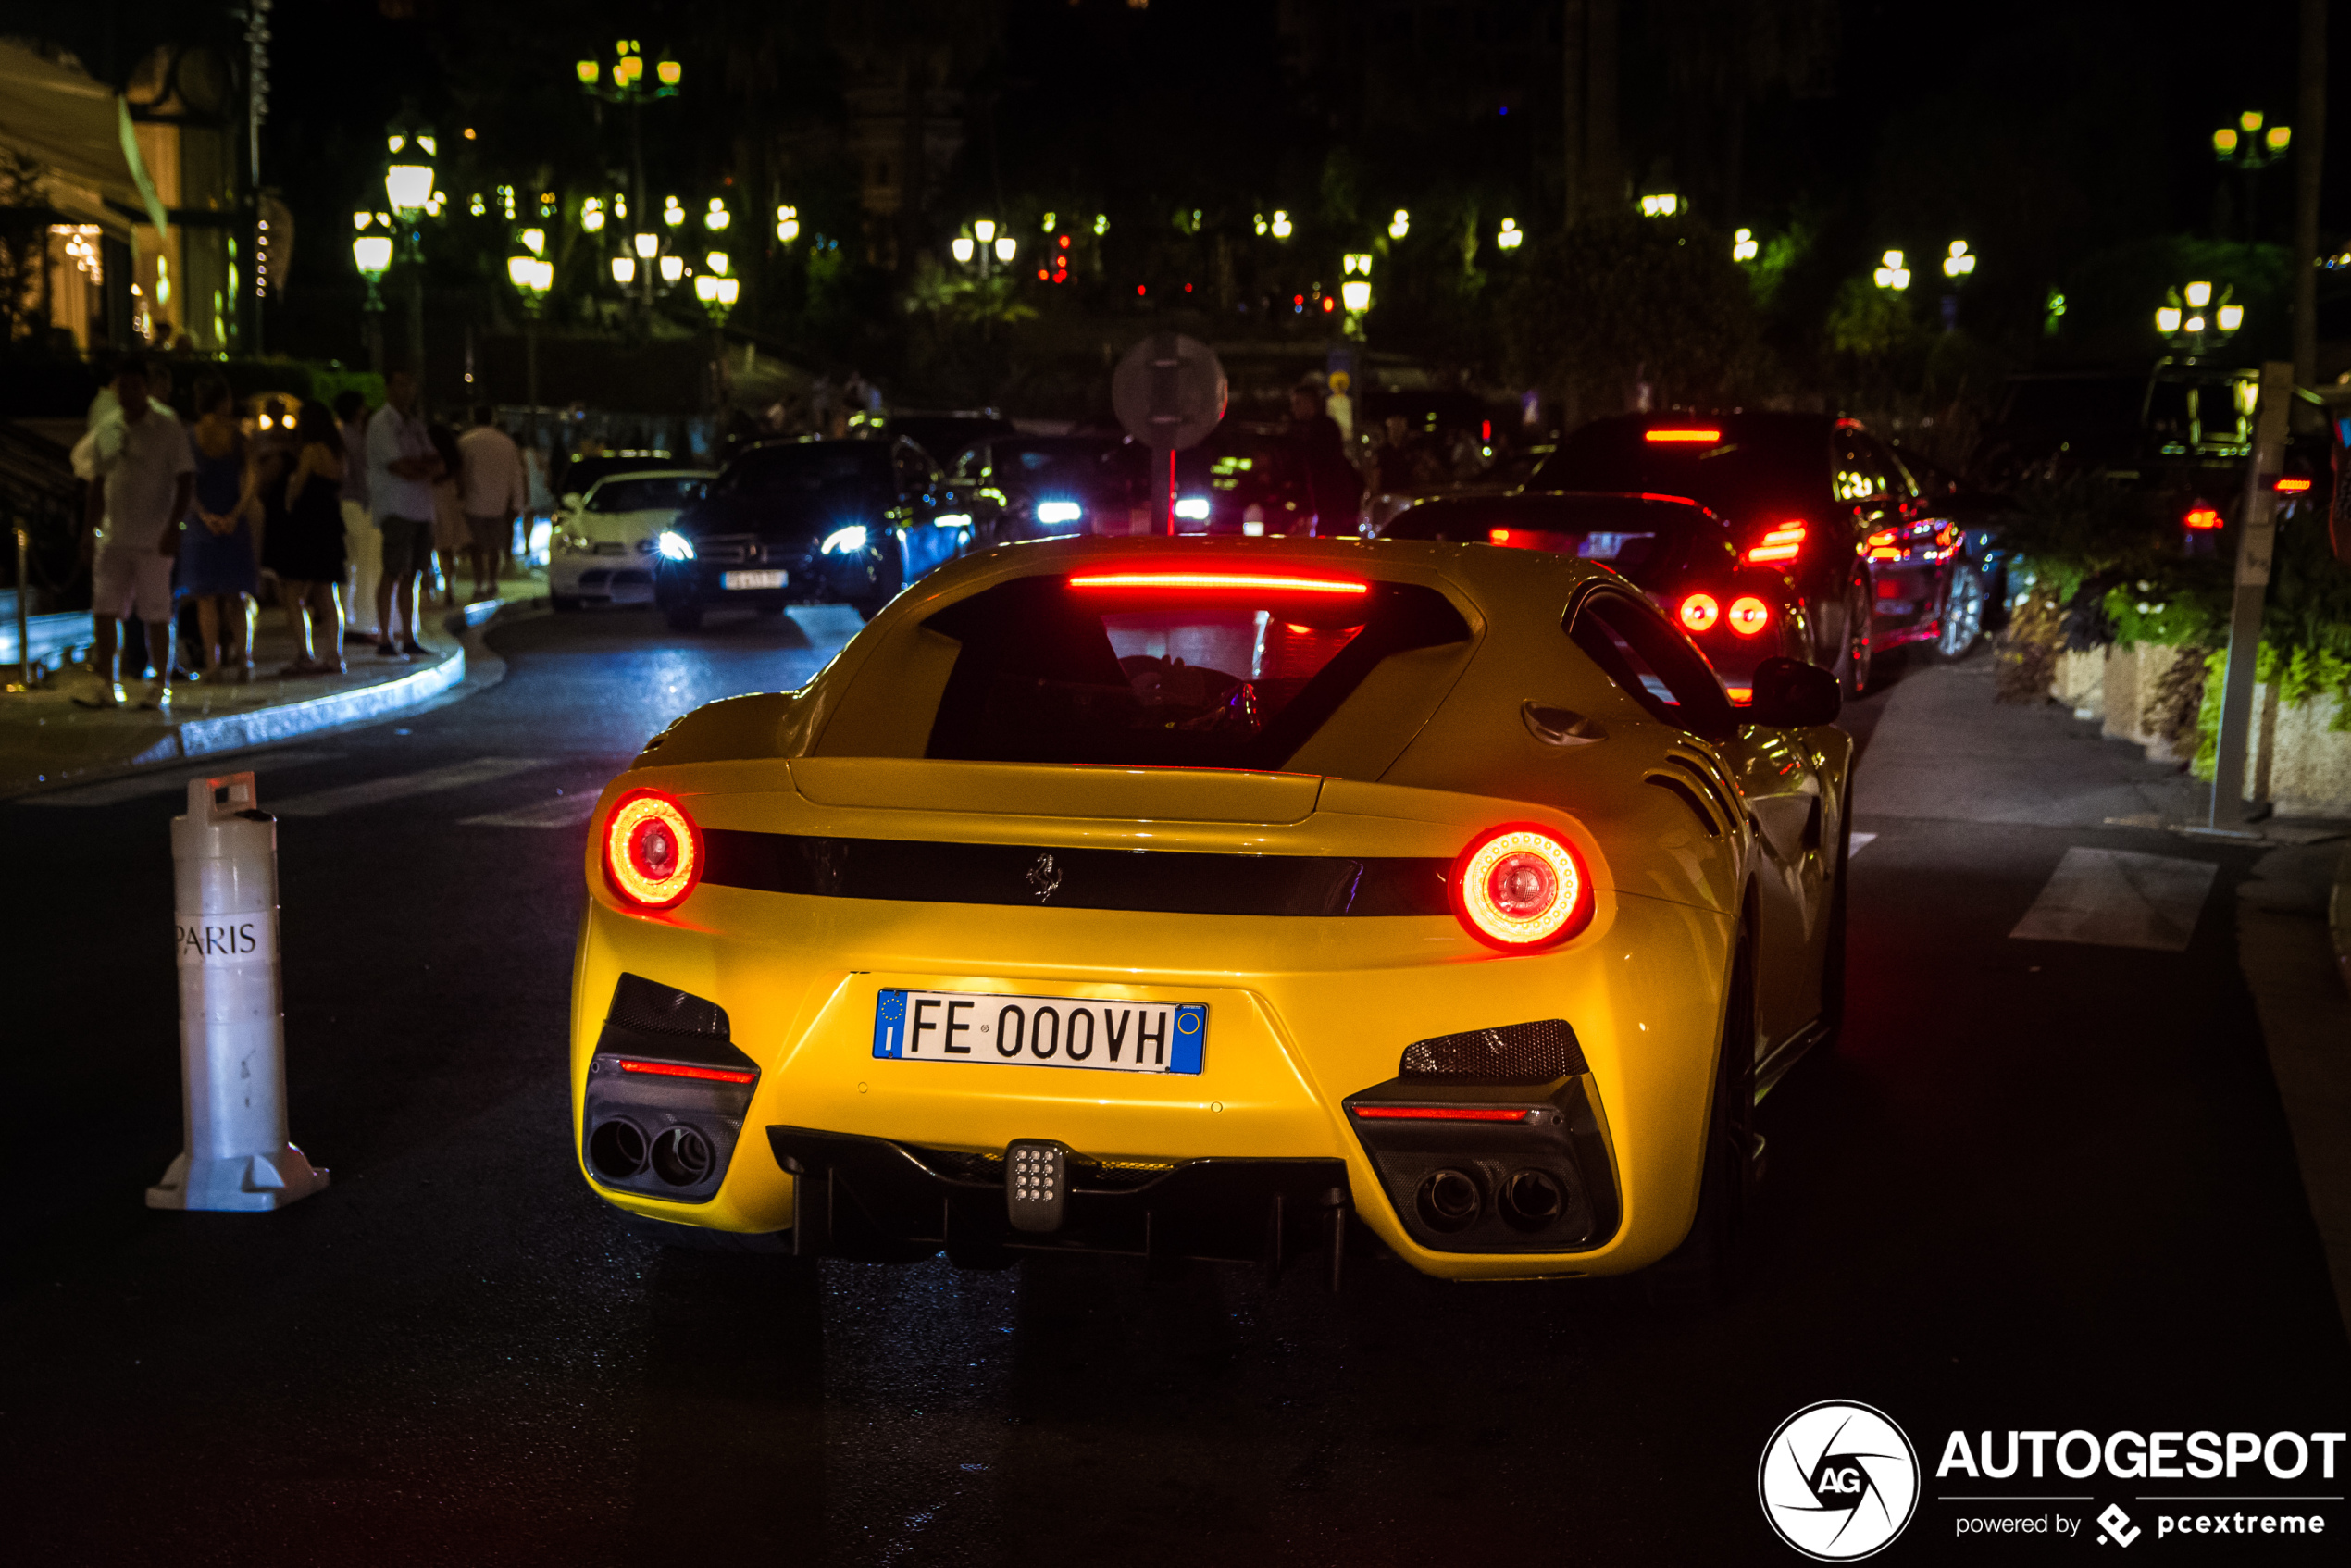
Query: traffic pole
2256 540
232 1043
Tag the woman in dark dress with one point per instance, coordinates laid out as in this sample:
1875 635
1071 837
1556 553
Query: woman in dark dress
306 548
219 559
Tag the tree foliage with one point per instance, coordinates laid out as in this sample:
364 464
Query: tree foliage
1620 302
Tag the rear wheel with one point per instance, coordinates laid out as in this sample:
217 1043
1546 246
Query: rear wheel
1962 618
685 618
1697 1273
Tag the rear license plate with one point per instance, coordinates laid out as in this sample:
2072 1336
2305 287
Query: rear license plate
754 579
1040 1031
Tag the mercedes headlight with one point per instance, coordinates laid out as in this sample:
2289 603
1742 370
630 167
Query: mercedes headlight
1058 512
843 542
677 547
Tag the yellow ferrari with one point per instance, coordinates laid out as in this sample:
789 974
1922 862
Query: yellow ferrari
1255 899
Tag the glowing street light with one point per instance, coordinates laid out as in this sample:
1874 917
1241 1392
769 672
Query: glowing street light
1744 246
672 268
408 179
534 240
1665 204
2190 315
591 215
718 217
1005 248
1281 225
1510 236
1355 294
716 262
984 230
1959 261
672 214
1399 225
647 246
960 245
623 270
1891 274
788 224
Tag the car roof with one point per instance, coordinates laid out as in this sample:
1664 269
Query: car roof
1595 505
653 474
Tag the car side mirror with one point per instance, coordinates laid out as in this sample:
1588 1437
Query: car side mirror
572 499
1794 695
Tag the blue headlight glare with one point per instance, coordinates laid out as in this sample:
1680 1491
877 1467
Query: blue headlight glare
677 547
843 542
1058 512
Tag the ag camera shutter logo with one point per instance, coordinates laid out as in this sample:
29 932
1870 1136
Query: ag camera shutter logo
1838 1481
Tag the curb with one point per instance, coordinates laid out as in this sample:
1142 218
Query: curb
446 680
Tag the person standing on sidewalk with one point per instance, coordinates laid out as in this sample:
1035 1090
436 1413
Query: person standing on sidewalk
363 546
143 475
219 556
494 493
401 468
309 543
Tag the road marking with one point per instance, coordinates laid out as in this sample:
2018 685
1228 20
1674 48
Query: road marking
376 791
2113 897
114 791
1860 842
564 811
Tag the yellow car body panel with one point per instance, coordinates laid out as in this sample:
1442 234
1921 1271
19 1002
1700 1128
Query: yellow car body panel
1303 1011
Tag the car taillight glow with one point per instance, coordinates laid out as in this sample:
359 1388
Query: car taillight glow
674 1070
1700 612
1518 887
2203 518
1498 535
1678 435
1750 615
2293 484
1781 543
1741 696
1219 582
652 851
1439 1113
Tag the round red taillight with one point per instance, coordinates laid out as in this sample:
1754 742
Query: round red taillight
1700 612
1749 615
1519 886
652 851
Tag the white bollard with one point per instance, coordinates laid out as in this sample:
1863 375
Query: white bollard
233 1036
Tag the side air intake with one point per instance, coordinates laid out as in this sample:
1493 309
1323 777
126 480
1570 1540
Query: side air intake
1515 1053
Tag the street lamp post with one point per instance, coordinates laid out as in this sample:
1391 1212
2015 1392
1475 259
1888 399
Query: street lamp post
532 275
624 83
2191 319
371 253
408 187
2249 147
983 245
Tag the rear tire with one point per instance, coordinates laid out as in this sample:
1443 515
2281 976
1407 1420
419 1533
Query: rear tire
686 619
1962 618
1697 1273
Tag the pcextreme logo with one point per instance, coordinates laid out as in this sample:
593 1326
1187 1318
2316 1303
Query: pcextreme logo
1838 1481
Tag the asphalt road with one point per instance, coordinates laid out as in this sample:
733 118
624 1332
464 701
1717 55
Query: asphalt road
2041 1185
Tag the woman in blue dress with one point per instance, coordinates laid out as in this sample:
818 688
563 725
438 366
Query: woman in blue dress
220 558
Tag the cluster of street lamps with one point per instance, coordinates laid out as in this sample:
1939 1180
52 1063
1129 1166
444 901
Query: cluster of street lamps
2190 317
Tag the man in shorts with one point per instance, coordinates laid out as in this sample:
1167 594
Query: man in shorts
142 475
402 466
493 490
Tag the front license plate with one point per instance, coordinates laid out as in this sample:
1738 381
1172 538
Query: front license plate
1040 1031
754 579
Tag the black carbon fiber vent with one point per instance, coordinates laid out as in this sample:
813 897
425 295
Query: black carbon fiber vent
638 1003
1515 1053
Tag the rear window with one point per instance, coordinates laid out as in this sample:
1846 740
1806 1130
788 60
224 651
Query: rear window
808 468
1645 540
1125 672
1753 465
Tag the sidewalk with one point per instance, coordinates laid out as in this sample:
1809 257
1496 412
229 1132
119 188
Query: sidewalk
46 738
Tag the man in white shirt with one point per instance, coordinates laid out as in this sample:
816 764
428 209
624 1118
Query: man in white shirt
142 475
402 466
362 546
493 487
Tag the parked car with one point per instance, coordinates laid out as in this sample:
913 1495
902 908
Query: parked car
1802 492
575 477
814 522
1049 487
601 549
1951 554
1676 552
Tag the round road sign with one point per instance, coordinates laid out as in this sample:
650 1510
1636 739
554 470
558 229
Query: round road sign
1168 391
